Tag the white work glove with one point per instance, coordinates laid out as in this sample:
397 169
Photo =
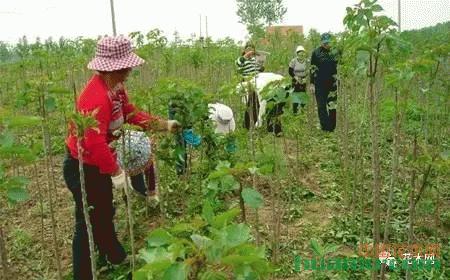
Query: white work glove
173 125
312 89
120 181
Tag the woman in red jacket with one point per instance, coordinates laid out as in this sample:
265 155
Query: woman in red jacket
105 92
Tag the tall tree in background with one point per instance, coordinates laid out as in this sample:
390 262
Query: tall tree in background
255 14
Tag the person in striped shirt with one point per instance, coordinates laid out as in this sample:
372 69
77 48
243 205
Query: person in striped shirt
247 63
248 66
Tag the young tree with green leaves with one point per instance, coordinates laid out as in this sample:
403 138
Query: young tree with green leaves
83 122
255 14
371 33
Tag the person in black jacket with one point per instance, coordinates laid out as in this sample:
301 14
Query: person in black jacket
323 82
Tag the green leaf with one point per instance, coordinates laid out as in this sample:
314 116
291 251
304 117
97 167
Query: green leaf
330 249
6 140
16 182
50 104
140 274
229 183
315 246
178 250
207 211
253 170
213 185
176 271
16 195
24 121
223 219
151 255
201 241
248 249
218 174
152 269
252 198
236 260
159 237
213 275
445 154
181 227
237 235
266 169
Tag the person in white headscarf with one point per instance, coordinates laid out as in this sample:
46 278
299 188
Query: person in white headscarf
222 117
298 70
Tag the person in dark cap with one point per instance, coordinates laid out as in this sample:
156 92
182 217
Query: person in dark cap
324 83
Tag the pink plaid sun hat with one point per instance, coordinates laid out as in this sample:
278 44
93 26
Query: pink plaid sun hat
114 53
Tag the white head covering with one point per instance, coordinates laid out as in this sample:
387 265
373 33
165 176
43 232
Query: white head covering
223 118
299 49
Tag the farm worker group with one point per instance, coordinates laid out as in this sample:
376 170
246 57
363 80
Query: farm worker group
321 70
105 95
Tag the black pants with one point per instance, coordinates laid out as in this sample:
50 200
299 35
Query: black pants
273 120
100 198
298 88
145 182
326 107
296 106
253 107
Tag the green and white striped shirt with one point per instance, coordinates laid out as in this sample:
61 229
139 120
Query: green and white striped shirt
247 67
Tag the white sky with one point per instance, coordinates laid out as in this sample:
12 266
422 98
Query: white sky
89 18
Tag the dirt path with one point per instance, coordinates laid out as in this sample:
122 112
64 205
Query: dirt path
307 214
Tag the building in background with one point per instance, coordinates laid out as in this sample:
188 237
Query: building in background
285 29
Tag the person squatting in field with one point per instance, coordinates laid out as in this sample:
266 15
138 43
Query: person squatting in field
324 83
298 70
222 118
105 92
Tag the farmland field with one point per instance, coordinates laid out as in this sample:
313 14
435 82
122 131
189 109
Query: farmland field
381 177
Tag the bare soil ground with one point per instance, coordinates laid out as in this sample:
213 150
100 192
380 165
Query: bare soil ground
30 246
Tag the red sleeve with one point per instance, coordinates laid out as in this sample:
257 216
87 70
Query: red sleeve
95 140
134 116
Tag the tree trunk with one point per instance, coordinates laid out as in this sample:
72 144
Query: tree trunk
345 145
395 163
86 211
129 202
242 204
41 205
411 203
375 167
3 257
50 185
